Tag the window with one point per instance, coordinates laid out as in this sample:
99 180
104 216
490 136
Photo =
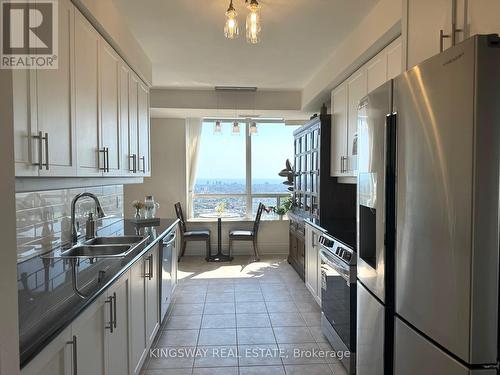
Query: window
240 170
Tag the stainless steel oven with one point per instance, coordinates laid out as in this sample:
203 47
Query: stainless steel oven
338 298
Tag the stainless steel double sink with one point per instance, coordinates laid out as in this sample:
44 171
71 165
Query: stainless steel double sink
104 247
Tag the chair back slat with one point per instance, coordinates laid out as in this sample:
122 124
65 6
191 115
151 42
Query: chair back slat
257 219
180 215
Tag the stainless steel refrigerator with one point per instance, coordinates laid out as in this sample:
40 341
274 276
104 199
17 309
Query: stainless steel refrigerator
428 217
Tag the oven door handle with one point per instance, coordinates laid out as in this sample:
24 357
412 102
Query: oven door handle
343 271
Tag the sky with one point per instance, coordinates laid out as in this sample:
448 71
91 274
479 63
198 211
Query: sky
223 156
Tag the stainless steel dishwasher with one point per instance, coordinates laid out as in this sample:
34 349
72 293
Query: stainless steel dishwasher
168 272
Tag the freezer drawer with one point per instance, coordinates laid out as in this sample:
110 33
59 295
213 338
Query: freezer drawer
370 334
414 355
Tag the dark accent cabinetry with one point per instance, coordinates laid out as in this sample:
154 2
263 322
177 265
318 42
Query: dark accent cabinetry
297 250
317 195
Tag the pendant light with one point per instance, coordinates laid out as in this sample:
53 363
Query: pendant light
236 125
231 29
236 128
217 126
254 24
253 128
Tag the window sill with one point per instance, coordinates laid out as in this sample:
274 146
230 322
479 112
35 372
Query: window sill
235 220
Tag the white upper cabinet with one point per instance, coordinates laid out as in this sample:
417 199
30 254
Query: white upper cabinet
55 102
26 154
125 160
109 73
357 89
90 157
483 17
433 25
394 59
133 124
44 128
339 130
143 119
426 20
89 117
386 65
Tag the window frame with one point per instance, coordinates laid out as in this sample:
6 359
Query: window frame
248 176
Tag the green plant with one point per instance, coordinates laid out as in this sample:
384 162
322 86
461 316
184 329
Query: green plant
285 206
220 208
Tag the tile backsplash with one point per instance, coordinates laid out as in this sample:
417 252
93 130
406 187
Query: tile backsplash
43 217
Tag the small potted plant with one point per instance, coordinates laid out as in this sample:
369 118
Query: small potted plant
284 207
220 208
138 205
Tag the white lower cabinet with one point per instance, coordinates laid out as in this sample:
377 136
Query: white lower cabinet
313 262
113 335
144 310
55 359
88 335
117 337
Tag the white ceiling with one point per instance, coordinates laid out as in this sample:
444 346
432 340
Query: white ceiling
185 42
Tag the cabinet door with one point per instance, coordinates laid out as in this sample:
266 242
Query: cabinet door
310 261
133 123
88 331
109 69
152 295
394 59
143 118
137 317
376 71
356 88
483 17
339 130
86 97
425 19
55 359
55 102
118 341
125 161
26 154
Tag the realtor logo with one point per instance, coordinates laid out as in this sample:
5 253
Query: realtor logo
29 34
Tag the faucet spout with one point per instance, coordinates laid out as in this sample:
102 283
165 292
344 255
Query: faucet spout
99 211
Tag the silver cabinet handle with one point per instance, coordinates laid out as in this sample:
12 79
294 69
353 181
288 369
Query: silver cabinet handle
454 29
147 275
39 137
143 158
151 267
74 354
110 326
114 310
46 151
312 239
342 164
134 163
442 37
106 159
103 152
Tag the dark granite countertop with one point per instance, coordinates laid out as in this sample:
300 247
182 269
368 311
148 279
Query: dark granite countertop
47 302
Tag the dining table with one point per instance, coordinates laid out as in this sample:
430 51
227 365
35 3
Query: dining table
220 256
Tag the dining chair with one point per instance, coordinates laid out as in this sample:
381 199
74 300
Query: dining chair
192 235
248 235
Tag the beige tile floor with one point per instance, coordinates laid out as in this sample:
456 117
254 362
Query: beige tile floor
241 318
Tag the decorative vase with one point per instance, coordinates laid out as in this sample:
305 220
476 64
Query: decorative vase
137 213
281 217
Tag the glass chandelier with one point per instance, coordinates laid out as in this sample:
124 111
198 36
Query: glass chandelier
254 25
231 29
